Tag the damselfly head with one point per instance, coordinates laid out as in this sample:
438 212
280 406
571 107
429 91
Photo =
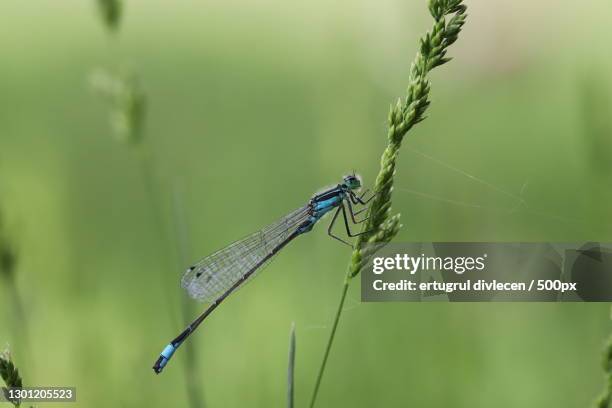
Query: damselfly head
352 181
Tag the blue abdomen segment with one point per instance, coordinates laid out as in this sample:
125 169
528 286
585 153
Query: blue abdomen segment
168 351
324 206
164 357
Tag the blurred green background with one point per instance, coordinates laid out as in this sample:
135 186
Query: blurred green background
252 107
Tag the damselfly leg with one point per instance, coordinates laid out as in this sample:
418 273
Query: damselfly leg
346 224
359 199
342 208
353 213
331 226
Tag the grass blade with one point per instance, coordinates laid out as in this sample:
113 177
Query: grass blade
291 368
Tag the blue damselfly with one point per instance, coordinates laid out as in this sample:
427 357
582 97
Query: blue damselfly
215 277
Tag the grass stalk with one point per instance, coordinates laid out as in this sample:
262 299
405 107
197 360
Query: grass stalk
8 268
605 400
128 110
330 341
183 248
10 374
596 103
291 369
449 17
110 13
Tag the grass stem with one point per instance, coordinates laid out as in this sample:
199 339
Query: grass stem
183 248
110 13
449 17
330 341
605 400
291 369
8 270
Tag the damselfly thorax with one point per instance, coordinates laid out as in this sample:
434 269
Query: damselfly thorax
322 203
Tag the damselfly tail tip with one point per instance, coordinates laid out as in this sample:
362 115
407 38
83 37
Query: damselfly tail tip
160 364
163 358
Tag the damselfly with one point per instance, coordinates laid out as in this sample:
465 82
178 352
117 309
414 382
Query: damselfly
215 277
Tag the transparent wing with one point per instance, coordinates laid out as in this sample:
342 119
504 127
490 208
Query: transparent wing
216 273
